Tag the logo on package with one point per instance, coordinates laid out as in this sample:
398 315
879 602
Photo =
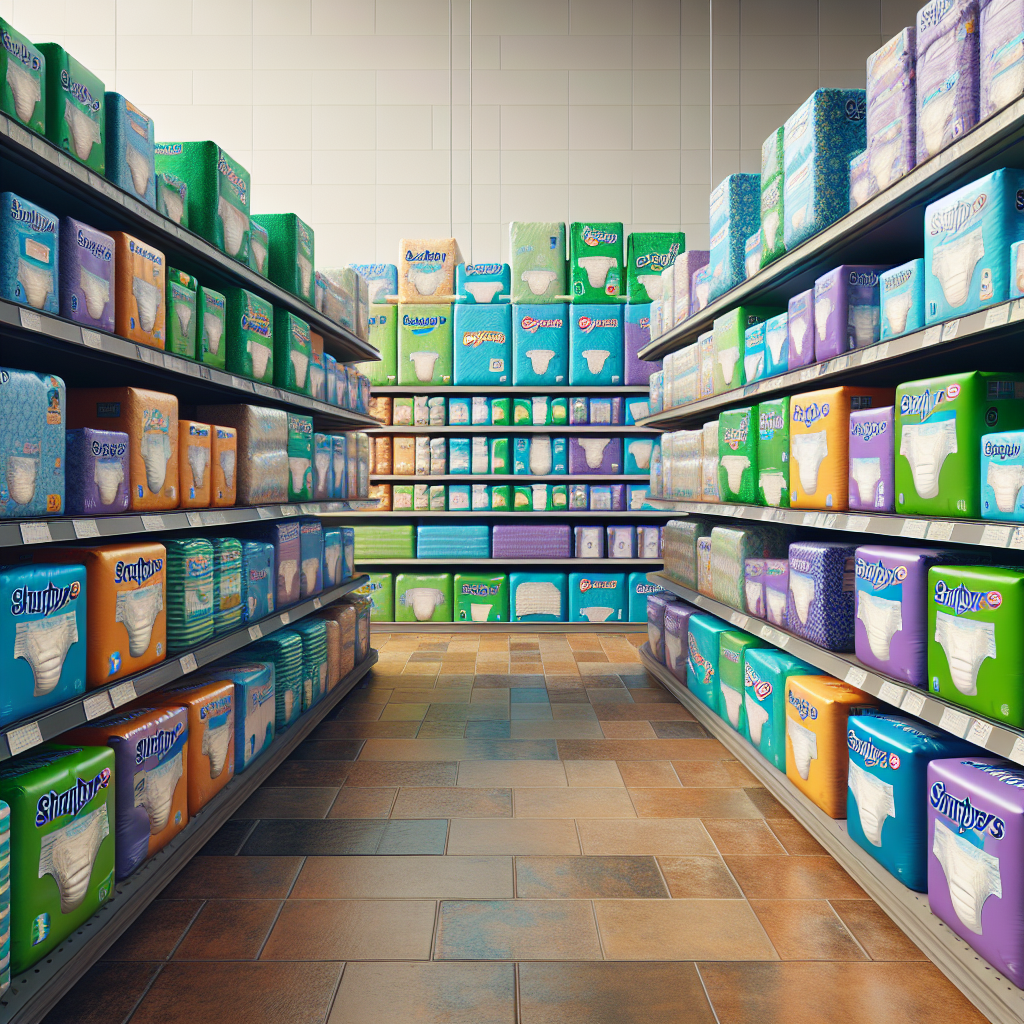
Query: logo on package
587 324
473 339
531 324
880 576
964 814
50 599
158 744
962 601
874 757
804 708
592 236
137 572
53 805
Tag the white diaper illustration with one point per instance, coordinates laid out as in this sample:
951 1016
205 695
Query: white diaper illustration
797 333
809 451
235 224
540 497
137 611
734 466
926 446
287 570
773 484
775 605
805 746
158 794
641 453
866 472
703 292
317 377
967 643
227 465
173 203
147 302
215 746
479 612
259 251
882 156
802 589
332 556
652 282
138 165
538 281
953 264
596 358
897 310
596 614
425 279
593 449
1006 482
483 292
864 322
937 109
22 473
597 268
156 451
25 88
213 328
589 543
1007 81
184 314
540 455
300 363
727 360
37 282
322 465
882 619
754 590
309 570
538 597
822 311
770 227
971 874
44 644
540 359
298 467
96 290
289 703
860 191
305 272
260 355
423 601
424 363
875 802
68 854
108 475
753 365
85 131
198 460
733 701
673 650
756 717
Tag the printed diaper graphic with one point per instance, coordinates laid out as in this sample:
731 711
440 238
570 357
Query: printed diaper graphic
872 459
425 597
765 672
140 285
483 283
425 342
733 647
703 647
96 471
772 462
481 597
538 596
595 262
737 455
901 299
846 310
483 343
1002 476
75 112
23 94
86 275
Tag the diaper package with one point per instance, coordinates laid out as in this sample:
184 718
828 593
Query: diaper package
595 455
820 138
974 830
776 345
939 425
734 644
258 580
1001 70
800 328
731 548
683 270
821 593
61 803
129 148
381 279
776 590
313 638
455 541
311 553
729 338
260 470
86 274
383 324
293 352
772 179
23 95
526 540
771 462
195 472
140 288
219 193
380 592
96 472
887 802
862 186
423 597
189 593
227 584
538 257
753 585
29 251
425 344
75 113
846 312
639 453
637 336
211 313
292 253
1002 476
872 458
483 283
765 673
538 596
656 606
947 73
754 353
819 443
901 295
702 668
752 254
250 330
223 460
677 638
734 214
891 110
974 639
639 590
150 778
595 345
481 597
709 462
648 253
255 707
150 419
300 457
737 456
967 235
595 262
818 710
483 343
597 597
426 270
172 197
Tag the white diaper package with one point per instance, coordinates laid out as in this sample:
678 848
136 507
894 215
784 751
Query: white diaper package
1002 476
891 114
901 299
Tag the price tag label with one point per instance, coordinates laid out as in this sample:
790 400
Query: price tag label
86 529
24 738
187 663
810 518
979 732
289 510
782 640
285 618
309 510
840 363
940 530
767 634
153 523
996 536
35 533
857 524
195 518
1017 753
123 693
808 374
915 528
1017 540
891 693
950 329
91 339
264 513
954 721
1016 310
869 355
96 705
997 316
737 619
855 675
829 520
214 518
932 336
913 703
255 632
317 603
31 320
882 350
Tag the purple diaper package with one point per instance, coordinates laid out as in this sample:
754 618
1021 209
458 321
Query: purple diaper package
801 329
846 310
686 265
287 541
700 288
618 494
549 540
975 869
588 541
677 638
638 334
1002 28
657 605
621 542
96 472
872 459
86 275
821 593
753 585
595 455
776 590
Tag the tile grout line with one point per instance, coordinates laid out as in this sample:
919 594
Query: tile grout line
707 995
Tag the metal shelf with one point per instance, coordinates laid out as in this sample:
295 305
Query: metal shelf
983 533
993 994
488 428
890 223
509 627
461 562
489 514
911 700
521 478
36 991
23 735
523 389
75 530
989 334
33 167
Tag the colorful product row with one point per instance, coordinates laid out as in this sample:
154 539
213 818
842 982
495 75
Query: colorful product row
509 497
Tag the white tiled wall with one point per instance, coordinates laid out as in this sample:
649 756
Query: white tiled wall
375 119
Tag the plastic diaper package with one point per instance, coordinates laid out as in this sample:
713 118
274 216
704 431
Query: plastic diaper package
733 216
637 336
891 113
800 330
250 335
538 260
765 671
939 425
23 95
648 253
86 275
96 472
753 585
754 353
313 637
380 592
677 638
595 345
260 469
255 706
731 547
227 584
426 270
901 299
772 460
737 456
212 311
709 462
1001 71
75 112
311 553
140 276
425 344
772 179
482 343
821 593
595 262
383 325
539 596
752 254
656 605
29 254
862 186
188 597
300 457
129 148
258 580
293 352
776 590
195 468
729 340
733 646
846 313
172 197
481 597
292 254
423 597
1002 476
872 459
597 597
702 668
686 265
483 283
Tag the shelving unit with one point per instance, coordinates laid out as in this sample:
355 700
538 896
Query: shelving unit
994 995
511 430
522 389
609 563
509 478
391 517
509 627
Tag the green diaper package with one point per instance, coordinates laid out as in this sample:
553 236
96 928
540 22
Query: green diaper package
522 412
380 590
501 498
731 649
500 411
293 350
300 457
23 93
648 253
384 338
423 597
259 249
398 541
737 456
218 193
437 498
939 425
212 311
975 643
182 318
291 252
75 111
536 252
730 549
773 452
424 343
522 498
595 262
730 332
401 497
62 851
499 455
772 181
679 549
481 597
250 330
558 409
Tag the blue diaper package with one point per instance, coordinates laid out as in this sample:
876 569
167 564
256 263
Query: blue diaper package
596 340
776 345
339 466
381 280
1017 270
129 141
540 340
255 708
702 663
734 214
639 589
765 671
538 596
333 562
348 553
597 597
43 632
311 555
32 423
482 284
754 355
258 580
826 131
637 409
821 593
901 299
29 237
887 805
1002 476
967 236
453 541
483 343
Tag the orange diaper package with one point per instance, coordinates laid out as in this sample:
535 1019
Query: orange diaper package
345 616
125 606
140 291
150 419
403 460
194 471
819 443
223 455
817 759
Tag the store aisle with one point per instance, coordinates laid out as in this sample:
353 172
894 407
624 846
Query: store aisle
604 862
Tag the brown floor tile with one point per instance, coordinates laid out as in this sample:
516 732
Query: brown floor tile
482 711
352 930
287 802
642 713
366 730
516 930
648 774
709 774
793 878
571 712
453 802
395 878
497 774
434 695
230 993
607 695
107 994
767 804
645 837
610 993
795 838
489 695
460 750
628 731
573 802
441 730
637 750
229 930
237 878
311 773
692 803
854 993
363 802
544 837
589 878
562 730
806 930
873 929
432 993
398 773
652 696
357 712
593 774
743 837
157 931
681 930
397 712
699 878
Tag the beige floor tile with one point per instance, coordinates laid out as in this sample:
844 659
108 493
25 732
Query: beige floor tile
628 731
453 802
403 712
395 878
653 837
489 774
502 836
573 802
593 774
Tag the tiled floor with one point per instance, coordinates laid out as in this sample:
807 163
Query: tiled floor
513 830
